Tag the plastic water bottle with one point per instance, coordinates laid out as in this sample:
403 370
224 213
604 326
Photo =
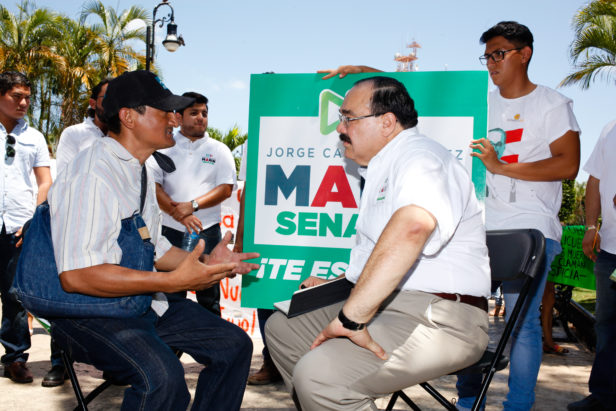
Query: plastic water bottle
190 240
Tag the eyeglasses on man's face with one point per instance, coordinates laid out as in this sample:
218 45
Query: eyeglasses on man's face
496 56
10 146
346 119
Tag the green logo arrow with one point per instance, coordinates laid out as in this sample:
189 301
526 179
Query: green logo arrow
329 104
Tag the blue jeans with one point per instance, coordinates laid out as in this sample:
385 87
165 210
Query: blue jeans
602 382
14 334
526 350
139 351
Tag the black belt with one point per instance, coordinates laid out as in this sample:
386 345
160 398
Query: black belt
479 302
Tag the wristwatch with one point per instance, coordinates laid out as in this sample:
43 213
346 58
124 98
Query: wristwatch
195 205
349 324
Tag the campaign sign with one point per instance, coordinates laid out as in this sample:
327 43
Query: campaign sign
572 267
302 194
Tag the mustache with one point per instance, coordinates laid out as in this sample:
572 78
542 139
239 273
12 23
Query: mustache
344 138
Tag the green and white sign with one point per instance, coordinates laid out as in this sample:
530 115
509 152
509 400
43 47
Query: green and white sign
572 267
302 195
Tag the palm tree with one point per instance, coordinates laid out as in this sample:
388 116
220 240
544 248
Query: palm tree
115 33
593 51
232 139
24 38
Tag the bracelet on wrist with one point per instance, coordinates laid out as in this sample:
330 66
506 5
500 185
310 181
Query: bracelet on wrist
350 324
591 227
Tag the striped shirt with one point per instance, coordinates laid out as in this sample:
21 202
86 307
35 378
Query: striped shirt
101 187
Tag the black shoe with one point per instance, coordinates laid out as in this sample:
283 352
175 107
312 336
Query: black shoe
589 403
55 377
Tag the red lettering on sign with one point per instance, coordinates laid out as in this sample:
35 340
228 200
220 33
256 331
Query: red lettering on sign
334 175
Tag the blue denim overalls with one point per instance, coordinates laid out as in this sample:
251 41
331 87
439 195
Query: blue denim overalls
37 283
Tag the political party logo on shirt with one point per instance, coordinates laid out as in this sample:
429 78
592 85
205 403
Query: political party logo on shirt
500 138
383 191
208 159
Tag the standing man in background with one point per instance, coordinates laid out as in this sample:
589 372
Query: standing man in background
81 136
24 150
190 197
601 200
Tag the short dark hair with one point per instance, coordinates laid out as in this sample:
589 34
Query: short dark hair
390 96
199 99
114 124
512 31
10 79
94 94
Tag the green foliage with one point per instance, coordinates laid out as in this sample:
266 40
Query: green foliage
64 58
232 138
572 211
593 51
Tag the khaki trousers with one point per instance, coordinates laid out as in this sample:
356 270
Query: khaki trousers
424 336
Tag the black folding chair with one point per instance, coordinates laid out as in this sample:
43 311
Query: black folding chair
514 254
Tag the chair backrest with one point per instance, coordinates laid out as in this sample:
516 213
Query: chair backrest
515 253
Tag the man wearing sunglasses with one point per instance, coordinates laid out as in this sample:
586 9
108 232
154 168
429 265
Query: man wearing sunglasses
23 150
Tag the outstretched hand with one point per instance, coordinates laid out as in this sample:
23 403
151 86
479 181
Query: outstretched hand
192 274
361 338
222 254
341 71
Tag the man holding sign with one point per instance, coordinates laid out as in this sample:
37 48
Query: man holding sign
420 265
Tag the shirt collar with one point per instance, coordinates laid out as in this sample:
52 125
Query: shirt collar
119 150
392 145
184 142
89 121
19 128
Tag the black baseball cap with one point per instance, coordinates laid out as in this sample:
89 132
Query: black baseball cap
141 88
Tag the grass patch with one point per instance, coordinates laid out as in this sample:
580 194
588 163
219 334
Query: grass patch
586 298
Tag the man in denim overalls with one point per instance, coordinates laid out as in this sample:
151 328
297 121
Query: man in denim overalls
93 208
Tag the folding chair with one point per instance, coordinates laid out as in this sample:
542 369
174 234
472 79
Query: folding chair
514 254
82 402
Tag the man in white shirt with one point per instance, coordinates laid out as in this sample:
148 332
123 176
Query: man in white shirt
601 248
190 196
24 150
81 136
420 267
104 186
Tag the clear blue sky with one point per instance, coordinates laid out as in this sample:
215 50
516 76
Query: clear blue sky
227 41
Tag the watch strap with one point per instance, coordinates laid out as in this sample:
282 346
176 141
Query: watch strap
195 205
350 324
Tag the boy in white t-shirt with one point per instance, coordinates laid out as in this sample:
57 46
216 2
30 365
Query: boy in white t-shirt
533 143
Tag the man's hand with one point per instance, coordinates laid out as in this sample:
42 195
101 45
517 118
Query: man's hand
21 238
486 154
180 210
591 244
312 281
192 274
222 254
361 338
341 71
192 223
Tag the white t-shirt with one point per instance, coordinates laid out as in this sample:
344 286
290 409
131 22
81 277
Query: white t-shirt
201 166
413 169
16 187
601 165
74 139
522 130
244 163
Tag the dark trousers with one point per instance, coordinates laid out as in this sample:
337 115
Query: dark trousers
602 381
14 333
139 351
208 298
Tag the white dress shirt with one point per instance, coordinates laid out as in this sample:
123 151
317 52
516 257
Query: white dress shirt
75 139
16 187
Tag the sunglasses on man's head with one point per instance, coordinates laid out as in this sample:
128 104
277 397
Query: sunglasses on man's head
10 146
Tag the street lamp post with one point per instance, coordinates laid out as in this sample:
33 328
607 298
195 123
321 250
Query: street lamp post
172 42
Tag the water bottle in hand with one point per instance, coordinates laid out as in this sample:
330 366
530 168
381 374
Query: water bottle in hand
190 240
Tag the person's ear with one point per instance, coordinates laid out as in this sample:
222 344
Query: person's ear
127 117
388 122
178 119
526 53
92 103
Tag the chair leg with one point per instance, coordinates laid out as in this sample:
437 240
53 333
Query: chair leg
68 364
438 396
392 401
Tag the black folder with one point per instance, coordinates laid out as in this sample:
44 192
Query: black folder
322 295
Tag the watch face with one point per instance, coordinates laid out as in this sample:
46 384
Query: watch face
195 205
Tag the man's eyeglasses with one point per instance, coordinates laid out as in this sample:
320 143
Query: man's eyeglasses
498 55
10 146
346 119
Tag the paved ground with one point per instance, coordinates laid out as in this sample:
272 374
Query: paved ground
562 379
